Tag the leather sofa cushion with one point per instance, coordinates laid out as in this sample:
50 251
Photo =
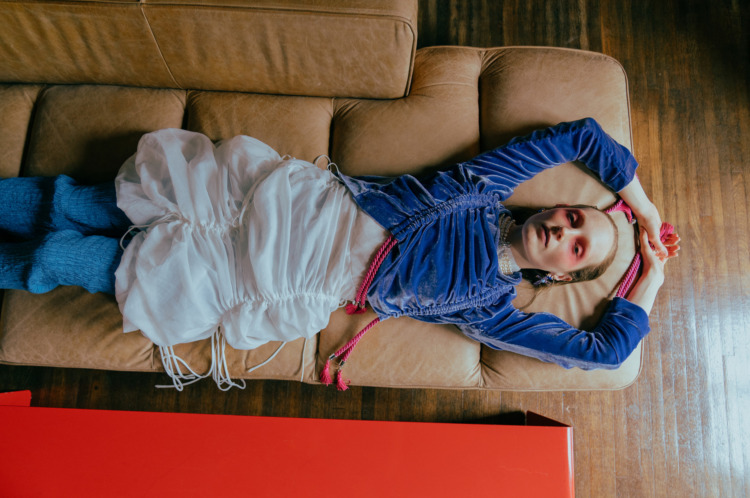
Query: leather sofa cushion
284 47
16 105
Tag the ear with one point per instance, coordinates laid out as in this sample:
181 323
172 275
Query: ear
563 277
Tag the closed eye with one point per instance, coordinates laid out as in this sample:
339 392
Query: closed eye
578 250
575 218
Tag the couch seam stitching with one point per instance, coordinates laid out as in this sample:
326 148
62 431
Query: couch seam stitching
156 42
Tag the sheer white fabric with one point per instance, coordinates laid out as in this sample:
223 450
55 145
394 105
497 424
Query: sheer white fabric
236 239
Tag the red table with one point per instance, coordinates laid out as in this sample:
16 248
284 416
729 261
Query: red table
82 453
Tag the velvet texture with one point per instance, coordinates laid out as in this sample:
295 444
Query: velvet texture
445 269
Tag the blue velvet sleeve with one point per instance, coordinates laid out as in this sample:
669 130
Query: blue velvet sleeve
548 338
501 170
492 176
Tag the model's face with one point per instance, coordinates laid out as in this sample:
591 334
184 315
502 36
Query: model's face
565 239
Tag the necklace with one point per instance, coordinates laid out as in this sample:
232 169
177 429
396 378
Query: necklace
504 255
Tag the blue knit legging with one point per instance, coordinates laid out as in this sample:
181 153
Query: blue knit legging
55 231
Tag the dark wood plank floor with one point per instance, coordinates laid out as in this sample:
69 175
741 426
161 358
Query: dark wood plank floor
682 429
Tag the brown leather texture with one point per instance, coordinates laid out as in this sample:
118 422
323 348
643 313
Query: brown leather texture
16 106
285 47
462 101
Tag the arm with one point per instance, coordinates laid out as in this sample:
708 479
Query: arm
548 338
504 168
645 212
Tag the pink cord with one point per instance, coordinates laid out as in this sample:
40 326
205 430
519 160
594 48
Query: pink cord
356 308
630 275
346 351
629 279
359 301
621 206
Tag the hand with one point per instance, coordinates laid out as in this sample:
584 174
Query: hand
646 287
645 212
672 244
649 219
653 263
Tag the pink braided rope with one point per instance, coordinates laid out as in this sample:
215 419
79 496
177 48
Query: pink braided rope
621 206
347 349
630 275
629 279
374 267
358 306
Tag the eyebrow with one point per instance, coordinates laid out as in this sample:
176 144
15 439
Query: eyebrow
582 214
584 247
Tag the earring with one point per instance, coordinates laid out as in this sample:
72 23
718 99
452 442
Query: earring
543 280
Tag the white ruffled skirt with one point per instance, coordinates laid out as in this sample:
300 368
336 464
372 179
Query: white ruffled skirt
236 242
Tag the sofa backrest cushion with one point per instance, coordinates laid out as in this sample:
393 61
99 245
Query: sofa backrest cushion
351 48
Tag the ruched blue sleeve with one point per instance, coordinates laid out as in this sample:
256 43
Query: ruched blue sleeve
548 338
501 170
395 202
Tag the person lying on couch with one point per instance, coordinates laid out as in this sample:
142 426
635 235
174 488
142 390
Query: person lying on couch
234 242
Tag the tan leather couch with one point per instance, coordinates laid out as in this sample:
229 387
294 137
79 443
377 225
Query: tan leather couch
84 80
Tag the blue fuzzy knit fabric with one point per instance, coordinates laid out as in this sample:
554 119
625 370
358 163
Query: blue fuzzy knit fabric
24 206
55 231
32 206
60 258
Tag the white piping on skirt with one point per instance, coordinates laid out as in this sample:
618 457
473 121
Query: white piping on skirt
219 370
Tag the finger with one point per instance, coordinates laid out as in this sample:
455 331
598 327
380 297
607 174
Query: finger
649 254
654 239
646 246
659 247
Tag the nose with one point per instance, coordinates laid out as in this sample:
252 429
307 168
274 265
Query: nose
560 232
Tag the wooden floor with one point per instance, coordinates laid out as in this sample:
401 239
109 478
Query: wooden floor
683 429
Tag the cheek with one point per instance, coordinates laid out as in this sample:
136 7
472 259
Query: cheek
565 258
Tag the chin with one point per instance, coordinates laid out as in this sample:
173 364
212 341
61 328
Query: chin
530 242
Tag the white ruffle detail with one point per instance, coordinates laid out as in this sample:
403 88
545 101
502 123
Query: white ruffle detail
236 235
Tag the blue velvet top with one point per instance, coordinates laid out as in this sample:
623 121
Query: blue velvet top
445 268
